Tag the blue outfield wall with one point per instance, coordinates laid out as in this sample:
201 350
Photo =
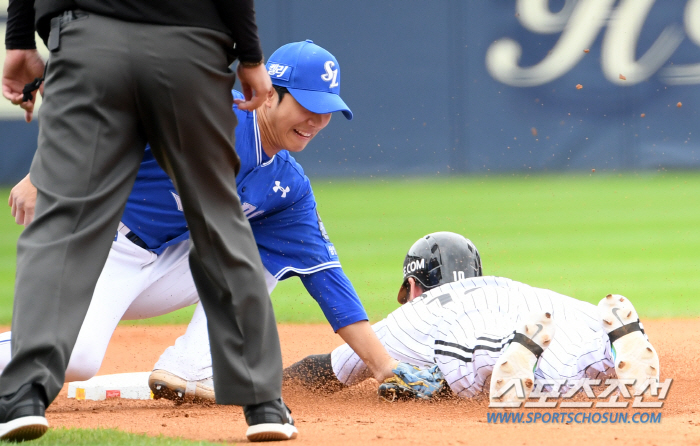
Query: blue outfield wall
17 147
456 86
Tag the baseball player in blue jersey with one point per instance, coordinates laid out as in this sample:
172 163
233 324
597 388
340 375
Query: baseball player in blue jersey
147 272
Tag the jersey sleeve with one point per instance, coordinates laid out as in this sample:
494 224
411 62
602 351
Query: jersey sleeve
336 296
293 242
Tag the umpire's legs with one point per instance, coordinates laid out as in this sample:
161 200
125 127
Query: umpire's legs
88 155
190 125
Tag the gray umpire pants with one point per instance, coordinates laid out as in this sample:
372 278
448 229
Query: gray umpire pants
111 87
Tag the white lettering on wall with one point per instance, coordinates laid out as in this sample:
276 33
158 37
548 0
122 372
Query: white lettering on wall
621 39
580 22
686 74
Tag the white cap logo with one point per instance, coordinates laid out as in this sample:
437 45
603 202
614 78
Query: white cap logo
331 74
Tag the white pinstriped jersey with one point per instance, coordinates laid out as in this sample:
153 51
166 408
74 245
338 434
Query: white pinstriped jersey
464 326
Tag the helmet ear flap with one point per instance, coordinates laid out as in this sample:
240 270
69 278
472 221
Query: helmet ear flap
477 264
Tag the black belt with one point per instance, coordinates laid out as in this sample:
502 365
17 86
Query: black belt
69 16
133 238
136 240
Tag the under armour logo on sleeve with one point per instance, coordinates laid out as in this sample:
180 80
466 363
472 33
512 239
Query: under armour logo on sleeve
277 187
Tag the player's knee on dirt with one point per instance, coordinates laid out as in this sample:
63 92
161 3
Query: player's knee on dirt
314 372
82 366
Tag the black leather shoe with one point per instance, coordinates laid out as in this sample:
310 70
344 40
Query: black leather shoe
22 414
269 421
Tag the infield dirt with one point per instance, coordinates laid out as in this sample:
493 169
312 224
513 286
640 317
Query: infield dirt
357 416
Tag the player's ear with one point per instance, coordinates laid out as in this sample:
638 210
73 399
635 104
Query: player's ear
414 289
271 96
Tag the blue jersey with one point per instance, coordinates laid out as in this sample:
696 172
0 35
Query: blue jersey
278 200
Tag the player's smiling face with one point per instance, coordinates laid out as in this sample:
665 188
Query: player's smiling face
286 125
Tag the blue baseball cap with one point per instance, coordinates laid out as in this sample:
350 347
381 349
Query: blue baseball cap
311 74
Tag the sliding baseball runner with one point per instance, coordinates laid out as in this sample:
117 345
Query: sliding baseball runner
470 327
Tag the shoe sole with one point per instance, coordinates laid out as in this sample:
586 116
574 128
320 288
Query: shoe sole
170 387
516 355
23 429
616 311
272 432
635 353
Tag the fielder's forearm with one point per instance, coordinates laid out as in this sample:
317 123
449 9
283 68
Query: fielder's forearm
362 339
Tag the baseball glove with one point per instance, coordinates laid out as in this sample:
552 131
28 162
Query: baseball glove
411 382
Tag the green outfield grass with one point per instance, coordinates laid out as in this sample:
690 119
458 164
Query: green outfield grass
109 437
584 235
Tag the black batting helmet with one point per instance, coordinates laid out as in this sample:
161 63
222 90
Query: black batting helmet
437 259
